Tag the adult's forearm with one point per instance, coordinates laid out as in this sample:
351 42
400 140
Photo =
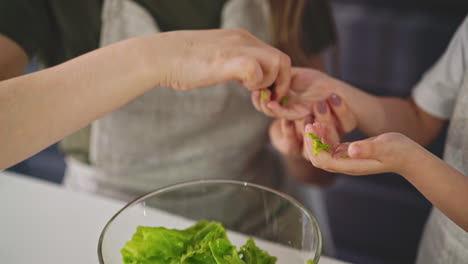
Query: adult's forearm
441 184
41 108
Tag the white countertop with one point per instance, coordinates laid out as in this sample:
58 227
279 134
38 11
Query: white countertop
42 222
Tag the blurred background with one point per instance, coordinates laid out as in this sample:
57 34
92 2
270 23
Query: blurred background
384 47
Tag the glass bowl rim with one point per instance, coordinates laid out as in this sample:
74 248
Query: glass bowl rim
213 181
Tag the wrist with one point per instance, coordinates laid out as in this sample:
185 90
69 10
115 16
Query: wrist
155 58
411 162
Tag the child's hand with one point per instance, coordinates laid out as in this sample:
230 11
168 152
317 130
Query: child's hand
286 138
303 93
307 87
388 152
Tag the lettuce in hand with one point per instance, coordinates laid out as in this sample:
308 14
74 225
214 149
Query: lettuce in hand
318 144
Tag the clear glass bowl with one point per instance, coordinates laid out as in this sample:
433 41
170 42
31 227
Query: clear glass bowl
278 223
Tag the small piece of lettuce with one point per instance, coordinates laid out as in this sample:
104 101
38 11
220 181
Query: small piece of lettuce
203 243
318 144
284 100
265 96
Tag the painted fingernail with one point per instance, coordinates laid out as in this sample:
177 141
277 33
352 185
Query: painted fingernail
335 99
289 123
322 107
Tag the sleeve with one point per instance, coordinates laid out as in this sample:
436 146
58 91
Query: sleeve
318 26
27 22
437 91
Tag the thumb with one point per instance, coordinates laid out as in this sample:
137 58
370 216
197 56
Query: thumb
363 149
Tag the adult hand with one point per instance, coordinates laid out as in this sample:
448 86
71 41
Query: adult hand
206 57
307 88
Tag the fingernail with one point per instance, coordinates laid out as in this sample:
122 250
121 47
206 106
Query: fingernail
289 123
335 99
354 151
322 107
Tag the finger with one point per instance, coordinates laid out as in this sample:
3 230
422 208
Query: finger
347 122
270 62
283 80
288 129
317 128
352 166
275 132
340 153
339 162
319 160
256 96
299 129
364 149
265 97
343 147
292 137
291 112
308 120
324 115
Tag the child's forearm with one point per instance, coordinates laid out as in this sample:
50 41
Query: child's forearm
378 115
440 183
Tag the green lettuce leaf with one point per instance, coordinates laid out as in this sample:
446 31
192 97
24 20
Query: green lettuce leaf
318 144
203 243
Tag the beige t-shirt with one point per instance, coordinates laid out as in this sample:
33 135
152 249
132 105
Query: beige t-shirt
443 93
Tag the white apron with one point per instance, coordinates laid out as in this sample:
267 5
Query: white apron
168 136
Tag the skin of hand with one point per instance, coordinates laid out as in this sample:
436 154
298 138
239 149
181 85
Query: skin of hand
45 106
388 152
287 137
305 90
373 115
202 58
440 183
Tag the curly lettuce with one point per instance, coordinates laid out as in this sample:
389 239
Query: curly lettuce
203 243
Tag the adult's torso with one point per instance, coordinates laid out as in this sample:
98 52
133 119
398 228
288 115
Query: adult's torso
167 136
